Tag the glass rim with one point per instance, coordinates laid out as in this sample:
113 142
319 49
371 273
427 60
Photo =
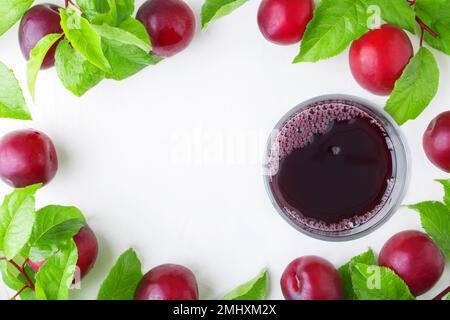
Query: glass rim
401 162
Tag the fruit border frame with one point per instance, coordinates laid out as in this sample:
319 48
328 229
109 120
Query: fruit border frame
81 63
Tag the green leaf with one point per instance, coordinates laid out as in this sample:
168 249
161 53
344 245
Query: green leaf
37 56
447 297
122 36
378 283
27 269
436 15
54 228
415 89
126 60
368 258
216 9
55 277
12 102
75 72
125 9
83 37
435 218
126 52
123 279
442 41
10 276
93 5
446 184
99 11
397 12
14 280
255 289
334 26
28 294
112 12
137 28
17 217
11 11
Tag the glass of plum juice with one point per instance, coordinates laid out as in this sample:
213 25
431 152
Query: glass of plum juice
336 167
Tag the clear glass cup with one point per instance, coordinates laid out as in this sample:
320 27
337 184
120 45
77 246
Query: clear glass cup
400 170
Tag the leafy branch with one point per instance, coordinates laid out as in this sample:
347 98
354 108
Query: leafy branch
42 238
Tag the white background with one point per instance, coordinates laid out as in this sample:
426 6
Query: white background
116 148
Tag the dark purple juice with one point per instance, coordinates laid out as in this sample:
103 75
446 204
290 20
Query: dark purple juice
333 166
